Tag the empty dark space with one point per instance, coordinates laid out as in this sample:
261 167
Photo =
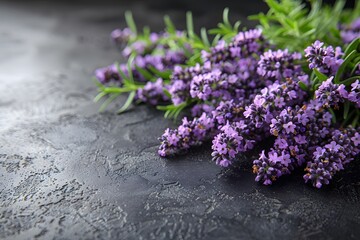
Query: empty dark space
70 172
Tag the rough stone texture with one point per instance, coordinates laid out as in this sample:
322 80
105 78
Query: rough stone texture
69 172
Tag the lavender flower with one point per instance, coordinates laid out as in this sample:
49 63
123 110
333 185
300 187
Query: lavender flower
121 36
325 59
229 111
269 168
107 74
198 109
180 83
278 65
188 134
354 94
152 93
237 137
330 94
273 99
213 85
243 45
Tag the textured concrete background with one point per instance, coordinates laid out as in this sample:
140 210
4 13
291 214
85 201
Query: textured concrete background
68 172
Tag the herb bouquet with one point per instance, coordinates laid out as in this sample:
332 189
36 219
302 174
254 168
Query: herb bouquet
295 78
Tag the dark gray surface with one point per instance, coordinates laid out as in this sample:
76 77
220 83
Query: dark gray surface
68 172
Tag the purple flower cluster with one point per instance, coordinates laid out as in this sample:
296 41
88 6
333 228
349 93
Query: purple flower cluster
228 71
188 134
198 109
274 98
325 59
121 36
213 85
180 83
229 111
255 120
297 131
107 74
354 94
351 32
152 93
244 45
239 136
330 158
278 65
330 94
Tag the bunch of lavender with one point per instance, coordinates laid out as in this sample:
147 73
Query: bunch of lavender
242 89
331 156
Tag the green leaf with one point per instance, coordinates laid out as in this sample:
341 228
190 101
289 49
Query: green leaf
355 122
100 96
164 75
173 111
190 24
130 22
350 80
322 77
167 93
342 67
128 102
333 119
226 17
303 86
346 109
204 37
97 83
107 102
121 73
354 45
236 26
356 67
146 31
110 90
170 27
147 75
130 65
215 40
